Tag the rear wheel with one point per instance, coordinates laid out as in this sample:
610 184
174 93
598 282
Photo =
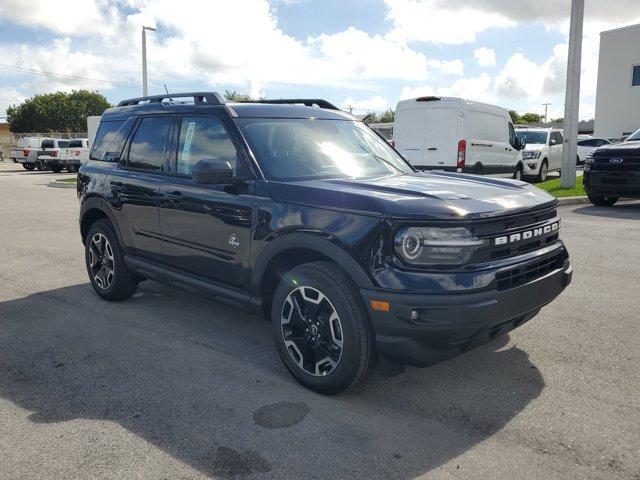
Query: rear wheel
56 168
321 329
603 201
41 166
478 169
109 276
28 166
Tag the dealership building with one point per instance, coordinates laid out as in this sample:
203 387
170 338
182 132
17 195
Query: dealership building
618 94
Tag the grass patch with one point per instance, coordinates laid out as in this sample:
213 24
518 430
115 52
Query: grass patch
553 187
67 180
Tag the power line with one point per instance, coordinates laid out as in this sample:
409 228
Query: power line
62 75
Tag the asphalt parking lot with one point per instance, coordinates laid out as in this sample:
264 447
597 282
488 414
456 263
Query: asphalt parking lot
169 385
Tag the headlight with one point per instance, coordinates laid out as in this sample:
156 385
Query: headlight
531 154
589 160
436 246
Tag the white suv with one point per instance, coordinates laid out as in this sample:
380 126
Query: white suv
542 152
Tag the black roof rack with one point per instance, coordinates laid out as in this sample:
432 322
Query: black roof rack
428 98
309 102
210 98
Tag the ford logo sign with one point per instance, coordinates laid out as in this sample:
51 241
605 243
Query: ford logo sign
616 160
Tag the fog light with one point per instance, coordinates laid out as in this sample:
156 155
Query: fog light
414 315
532 166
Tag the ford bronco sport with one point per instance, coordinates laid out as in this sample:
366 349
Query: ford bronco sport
299 211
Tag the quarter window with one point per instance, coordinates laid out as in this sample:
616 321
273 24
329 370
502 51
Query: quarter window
635 82
106 132
149 143
204 138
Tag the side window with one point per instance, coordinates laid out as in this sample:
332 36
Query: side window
635 80
105 134
588 143
512 136
558 136
47 144
63 144
149 144
204 138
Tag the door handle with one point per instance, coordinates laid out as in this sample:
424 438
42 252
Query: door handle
432 148
481 144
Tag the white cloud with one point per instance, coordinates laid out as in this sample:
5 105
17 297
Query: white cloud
438 22
447 67
471 88
486 57
377 103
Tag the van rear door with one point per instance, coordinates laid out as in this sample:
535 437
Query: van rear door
443 124
409 133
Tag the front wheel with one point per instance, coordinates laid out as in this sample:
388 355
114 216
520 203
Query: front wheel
321 329
544 170
603 201
518 173
109 276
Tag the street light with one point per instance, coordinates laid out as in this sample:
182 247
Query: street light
144 58
546 106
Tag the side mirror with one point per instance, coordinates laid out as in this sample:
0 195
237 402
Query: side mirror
552 142
212 171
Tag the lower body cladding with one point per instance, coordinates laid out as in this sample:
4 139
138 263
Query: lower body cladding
424 329
611 183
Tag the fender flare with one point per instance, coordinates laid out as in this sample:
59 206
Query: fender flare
311 241
97 203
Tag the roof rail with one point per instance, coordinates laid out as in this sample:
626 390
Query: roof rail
210 98
309 102
428 98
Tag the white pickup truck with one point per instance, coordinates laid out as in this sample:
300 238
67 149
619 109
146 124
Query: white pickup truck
49 154
26 152
75 155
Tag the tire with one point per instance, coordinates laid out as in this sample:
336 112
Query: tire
29 166
121 283
578 161
41 166
603 201
345 355
73 168
542 173
56 168
478 169
518 174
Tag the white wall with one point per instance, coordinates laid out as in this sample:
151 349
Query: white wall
617 102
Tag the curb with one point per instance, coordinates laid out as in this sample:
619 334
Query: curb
57 184
573 201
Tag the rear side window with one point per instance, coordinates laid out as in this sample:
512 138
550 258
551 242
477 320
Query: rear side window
147 151
104 136
63 144
75 143
47 144
635 80
204 138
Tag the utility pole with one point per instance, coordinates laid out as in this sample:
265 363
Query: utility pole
572 96
144 59
546 105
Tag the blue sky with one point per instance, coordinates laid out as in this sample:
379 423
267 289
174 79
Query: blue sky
363 54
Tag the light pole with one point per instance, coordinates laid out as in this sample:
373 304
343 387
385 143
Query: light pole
144 59
545 105
572 96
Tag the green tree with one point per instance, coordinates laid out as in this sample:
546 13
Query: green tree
530 118
515 118
371 117
59 112
387 117
233 96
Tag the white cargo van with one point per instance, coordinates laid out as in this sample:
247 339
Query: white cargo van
454 134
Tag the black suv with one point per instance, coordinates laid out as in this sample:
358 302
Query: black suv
613 171
299 211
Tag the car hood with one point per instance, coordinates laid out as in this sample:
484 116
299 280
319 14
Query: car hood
434 195
623 148
534 147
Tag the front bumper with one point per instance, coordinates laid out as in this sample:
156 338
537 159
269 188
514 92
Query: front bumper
607 183
450 324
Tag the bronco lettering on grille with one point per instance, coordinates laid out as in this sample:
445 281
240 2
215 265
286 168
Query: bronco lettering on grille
527 234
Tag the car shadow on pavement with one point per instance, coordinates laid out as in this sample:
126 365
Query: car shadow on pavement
201 381
625 211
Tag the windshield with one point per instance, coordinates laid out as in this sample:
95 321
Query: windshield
634 136
294 149
532 136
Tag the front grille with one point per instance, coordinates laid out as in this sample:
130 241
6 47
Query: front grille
526 273
629 163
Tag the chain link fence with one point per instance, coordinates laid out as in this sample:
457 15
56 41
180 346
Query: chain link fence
8 141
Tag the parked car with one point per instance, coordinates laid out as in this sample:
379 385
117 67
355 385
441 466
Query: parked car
457 135
48 157
542 153
305 214
26 152
587 146
613 171
75 154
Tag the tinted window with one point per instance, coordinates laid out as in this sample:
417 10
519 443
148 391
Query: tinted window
75 143
63 144
47 144
636 76
512 136
105 134
204 138
533 136
149 144
557 136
